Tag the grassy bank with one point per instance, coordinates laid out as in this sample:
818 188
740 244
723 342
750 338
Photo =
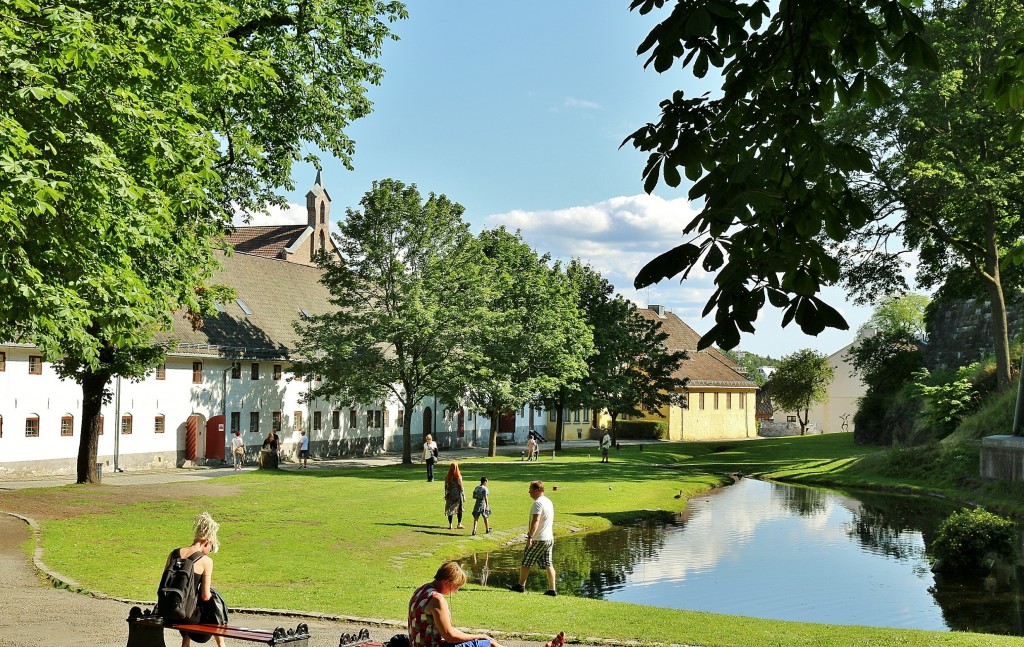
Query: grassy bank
357 541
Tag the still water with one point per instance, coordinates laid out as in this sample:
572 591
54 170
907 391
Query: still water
782 552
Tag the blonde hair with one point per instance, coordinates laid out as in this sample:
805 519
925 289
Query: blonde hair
452 573
206 530
427 438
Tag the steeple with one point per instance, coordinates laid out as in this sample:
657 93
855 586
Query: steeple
318 215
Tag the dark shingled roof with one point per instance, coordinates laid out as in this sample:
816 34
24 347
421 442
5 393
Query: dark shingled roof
275 291
269 241
707 367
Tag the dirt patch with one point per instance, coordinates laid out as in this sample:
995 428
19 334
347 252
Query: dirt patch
77 500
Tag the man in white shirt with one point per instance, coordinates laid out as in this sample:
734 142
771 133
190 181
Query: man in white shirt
606 444
304 451
539 540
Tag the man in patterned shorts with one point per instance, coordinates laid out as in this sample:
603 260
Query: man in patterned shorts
539 540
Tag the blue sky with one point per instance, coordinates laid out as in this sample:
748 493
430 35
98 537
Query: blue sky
516 110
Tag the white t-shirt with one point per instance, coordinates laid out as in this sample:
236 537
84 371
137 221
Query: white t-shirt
428 450
304 444
236 442
543 506
606 442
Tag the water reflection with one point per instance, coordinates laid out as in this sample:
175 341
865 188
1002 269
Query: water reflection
789 553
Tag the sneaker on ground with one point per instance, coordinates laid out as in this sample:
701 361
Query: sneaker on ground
550 592
517 588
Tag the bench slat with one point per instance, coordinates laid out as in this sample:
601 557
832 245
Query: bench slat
226 631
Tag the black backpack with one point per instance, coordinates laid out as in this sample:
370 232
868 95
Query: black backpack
177 599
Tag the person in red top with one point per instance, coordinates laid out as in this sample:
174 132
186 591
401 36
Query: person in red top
430 619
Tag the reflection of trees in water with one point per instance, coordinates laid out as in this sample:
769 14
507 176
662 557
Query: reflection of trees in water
587 566
974 604
886 524
804 501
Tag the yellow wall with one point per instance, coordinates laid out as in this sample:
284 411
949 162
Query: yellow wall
571 430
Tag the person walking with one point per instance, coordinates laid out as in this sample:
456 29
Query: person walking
540 539
304 451
481 505
237 450
429 456
454 494
531 448
606 444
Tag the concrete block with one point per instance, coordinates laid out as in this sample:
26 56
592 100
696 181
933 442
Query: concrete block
1002 458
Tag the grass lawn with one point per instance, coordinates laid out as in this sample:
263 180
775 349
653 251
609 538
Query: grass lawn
358 541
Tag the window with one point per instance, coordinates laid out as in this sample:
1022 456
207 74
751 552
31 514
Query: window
158 425
236 370
126 424
336 419
369 419
297 421
400 418
3 362
728 400
197 372
32 427
277 371
161 372
385 417
244 306
743 400
255 371
701 398
353 422
67 424
790 418
716 401
576 415
378 419
35 364
586 415
236 421
552 415
277 422
254 422
317 420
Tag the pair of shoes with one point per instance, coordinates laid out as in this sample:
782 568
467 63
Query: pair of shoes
517 588
551 592
460 526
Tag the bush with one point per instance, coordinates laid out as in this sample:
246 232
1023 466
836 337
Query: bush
994 417
969 537
641 429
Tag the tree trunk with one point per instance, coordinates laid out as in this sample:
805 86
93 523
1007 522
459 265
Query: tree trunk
407 431
93 388
1000 334
559 423
615 437
803 420
492 442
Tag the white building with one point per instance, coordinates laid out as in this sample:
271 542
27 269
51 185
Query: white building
233 373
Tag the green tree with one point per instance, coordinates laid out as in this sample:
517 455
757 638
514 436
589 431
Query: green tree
771 181
900 314
533 339
129 136
801 380
407 293
751 363
947 170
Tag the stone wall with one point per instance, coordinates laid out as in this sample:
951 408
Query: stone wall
960 331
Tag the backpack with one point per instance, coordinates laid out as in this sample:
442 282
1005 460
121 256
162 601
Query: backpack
178 596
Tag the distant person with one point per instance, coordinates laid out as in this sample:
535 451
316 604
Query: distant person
211 608
531 448
454 494
540 539
429 456
430 618
304 451
237 450
268 455
606 444
481 505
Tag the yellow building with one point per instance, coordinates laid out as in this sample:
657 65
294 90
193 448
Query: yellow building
721 402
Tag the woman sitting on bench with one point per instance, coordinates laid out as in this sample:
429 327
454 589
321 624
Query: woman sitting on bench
214 611
430 619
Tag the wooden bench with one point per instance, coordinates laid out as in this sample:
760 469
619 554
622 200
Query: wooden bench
145 629
360 639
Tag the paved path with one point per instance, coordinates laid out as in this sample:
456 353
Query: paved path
35 613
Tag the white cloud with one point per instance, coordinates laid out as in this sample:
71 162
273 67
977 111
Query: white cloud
582 104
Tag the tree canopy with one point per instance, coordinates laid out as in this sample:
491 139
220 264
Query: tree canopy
799 381
407 292
128 137
759 160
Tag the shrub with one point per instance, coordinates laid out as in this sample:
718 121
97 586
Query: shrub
967 538
641 429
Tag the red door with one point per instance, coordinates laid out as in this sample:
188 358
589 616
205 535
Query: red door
215 438
191 437
508 422
428 421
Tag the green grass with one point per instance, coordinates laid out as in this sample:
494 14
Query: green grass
358 541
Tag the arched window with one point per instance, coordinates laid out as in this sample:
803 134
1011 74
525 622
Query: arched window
32 426
67 425
323 213
126 424
158 425
323 241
